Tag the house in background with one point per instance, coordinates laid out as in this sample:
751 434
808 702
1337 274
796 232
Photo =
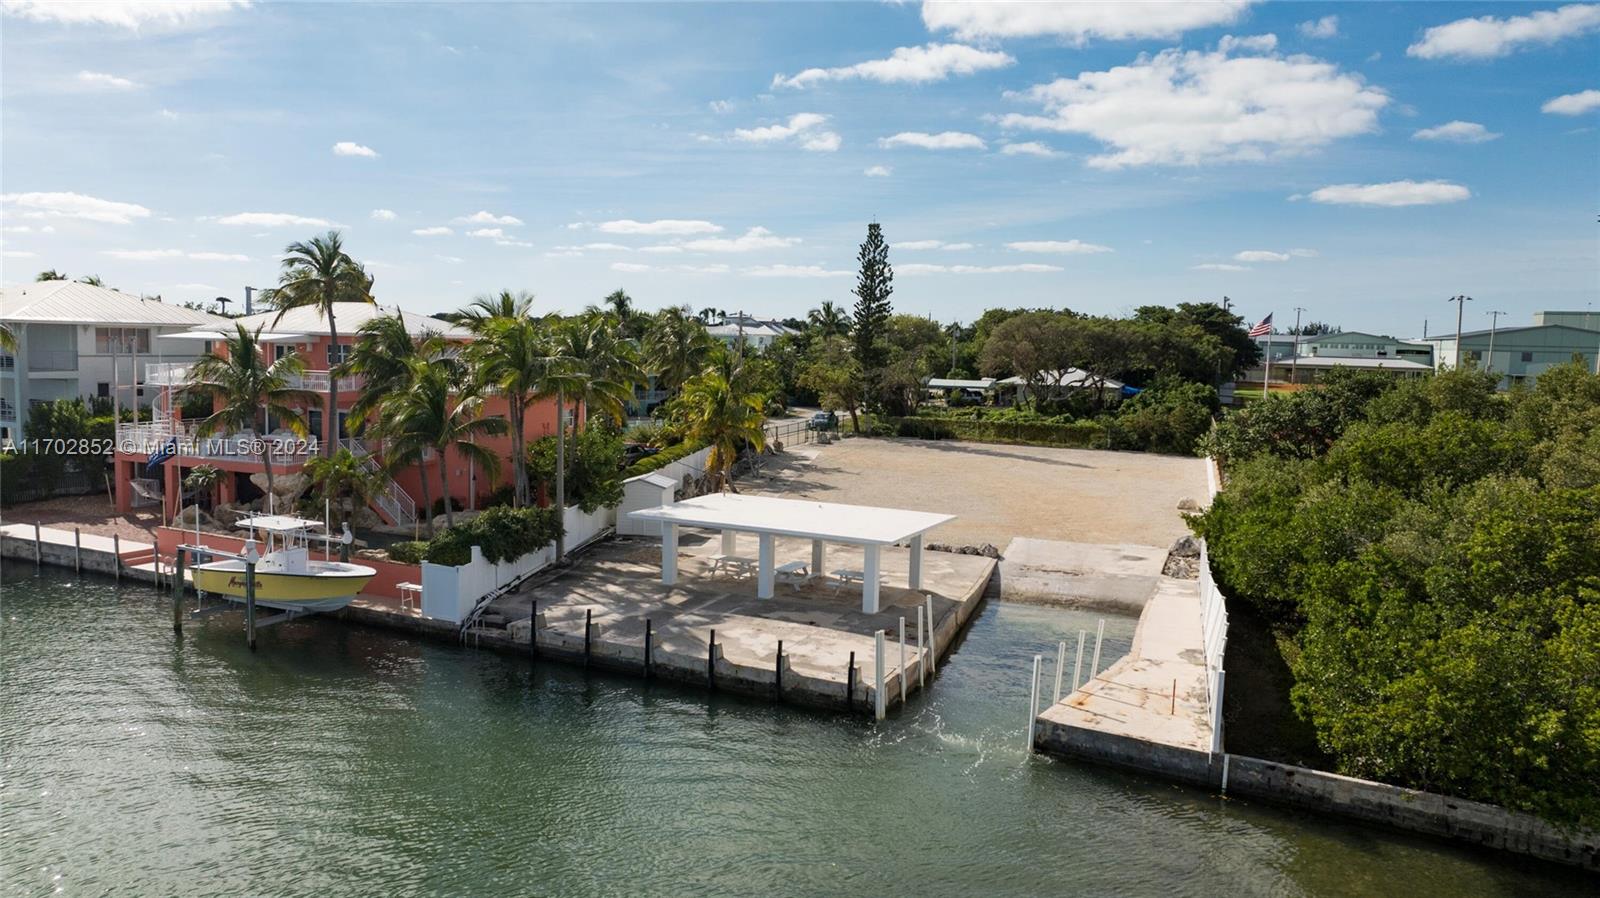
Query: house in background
77 340
757 333
1523 353
152 458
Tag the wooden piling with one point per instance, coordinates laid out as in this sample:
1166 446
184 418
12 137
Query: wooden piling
249 602
588 614
116 558
850 682
711 662
38 547
648 634
77 551
902 661
177 597
777 670
533 629
933 638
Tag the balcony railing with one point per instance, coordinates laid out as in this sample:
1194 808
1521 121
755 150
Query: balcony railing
153 437
173 374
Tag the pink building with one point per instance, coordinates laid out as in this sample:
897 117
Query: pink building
153 458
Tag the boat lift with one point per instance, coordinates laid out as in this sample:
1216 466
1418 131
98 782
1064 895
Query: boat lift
200 554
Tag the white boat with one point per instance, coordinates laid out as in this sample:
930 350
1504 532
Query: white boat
287 576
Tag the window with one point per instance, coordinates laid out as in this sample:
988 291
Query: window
102 390
121 339
338 355
279 350
1474 355
1527 356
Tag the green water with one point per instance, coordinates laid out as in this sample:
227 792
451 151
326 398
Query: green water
338 760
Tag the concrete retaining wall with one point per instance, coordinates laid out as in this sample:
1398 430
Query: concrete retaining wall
1412 810
57 555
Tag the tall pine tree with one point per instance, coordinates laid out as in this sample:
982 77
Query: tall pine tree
874 283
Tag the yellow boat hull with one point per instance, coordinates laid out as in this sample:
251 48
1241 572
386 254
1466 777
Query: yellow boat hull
328 589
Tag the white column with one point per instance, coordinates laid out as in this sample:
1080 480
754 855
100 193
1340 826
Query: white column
915 580
764 568
669 553
730 542
816 558
869 579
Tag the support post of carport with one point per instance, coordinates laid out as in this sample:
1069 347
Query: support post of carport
869 577
915 580
669 553
765 564
816 558
730 542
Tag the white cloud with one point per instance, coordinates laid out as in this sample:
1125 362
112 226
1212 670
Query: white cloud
74 205
878 171
1193 107
1220 266
1077 22
753 239
1457 132
1026 268
589 247
634 267
169 115
662 249
130 14
631 267
101 79
1260 255
27 229
794 271
437 231
1487 37
18 254
1073 247
450 260
1327 26
274 220
916 245
945 140
511 242
804 126
1393 193
488 218
151 255
907 65
1573 104
661 227
497 233
721 106
383 215
1028 148
351 148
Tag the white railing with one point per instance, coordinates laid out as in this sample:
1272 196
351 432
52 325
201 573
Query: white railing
148 438
177 374
1213 622
392 501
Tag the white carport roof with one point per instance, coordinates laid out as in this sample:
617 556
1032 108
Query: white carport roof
856 524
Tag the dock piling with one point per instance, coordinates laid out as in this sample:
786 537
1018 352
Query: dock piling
77 551
777 670
902 661
249 599
877 681
922 658
533 628
850 682
1061 664
588 614
116 557
1033 701
711 662
648 637
38 547
1077 663
1099 634
933 638
177 597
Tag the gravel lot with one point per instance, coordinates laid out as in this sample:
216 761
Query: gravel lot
999 491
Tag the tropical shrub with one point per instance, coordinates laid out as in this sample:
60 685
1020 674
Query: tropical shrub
1170 416
408 552
503 533
661 459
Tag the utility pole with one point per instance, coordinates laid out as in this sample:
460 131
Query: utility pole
1461 303
1294 360
249 292
1494 324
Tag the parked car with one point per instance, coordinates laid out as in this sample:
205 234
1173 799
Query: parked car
823 421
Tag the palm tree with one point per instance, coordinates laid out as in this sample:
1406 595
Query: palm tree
8 339
442 411
724 411
50 274
516 354
92 280
244 385
829 321
339 477
319 274
381 357
676 347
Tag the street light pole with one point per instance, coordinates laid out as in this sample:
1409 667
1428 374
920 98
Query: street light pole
1461 303
1494 325
1294 360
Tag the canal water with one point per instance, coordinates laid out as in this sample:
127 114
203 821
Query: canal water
338 760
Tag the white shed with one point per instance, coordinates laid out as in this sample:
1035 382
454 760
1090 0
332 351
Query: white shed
651 490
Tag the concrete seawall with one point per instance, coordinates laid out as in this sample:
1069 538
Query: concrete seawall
1411 810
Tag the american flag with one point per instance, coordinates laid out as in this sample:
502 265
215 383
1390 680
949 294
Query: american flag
1264 328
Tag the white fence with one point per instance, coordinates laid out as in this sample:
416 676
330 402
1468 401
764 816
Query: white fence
636 498
451 592
1213 624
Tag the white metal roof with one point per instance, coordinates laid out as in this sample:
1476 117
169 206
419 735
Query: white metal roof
858 524
349 316
950 383
1334 361
69 302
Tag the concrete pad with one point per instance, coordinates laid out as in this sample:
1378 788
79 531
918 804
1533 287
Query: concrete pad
1115 577
1157 692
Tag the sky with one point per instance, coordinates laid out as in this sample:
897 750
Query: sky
1362 162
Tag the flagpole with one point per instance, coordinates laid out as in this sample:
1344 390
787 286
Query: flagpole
1268 376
